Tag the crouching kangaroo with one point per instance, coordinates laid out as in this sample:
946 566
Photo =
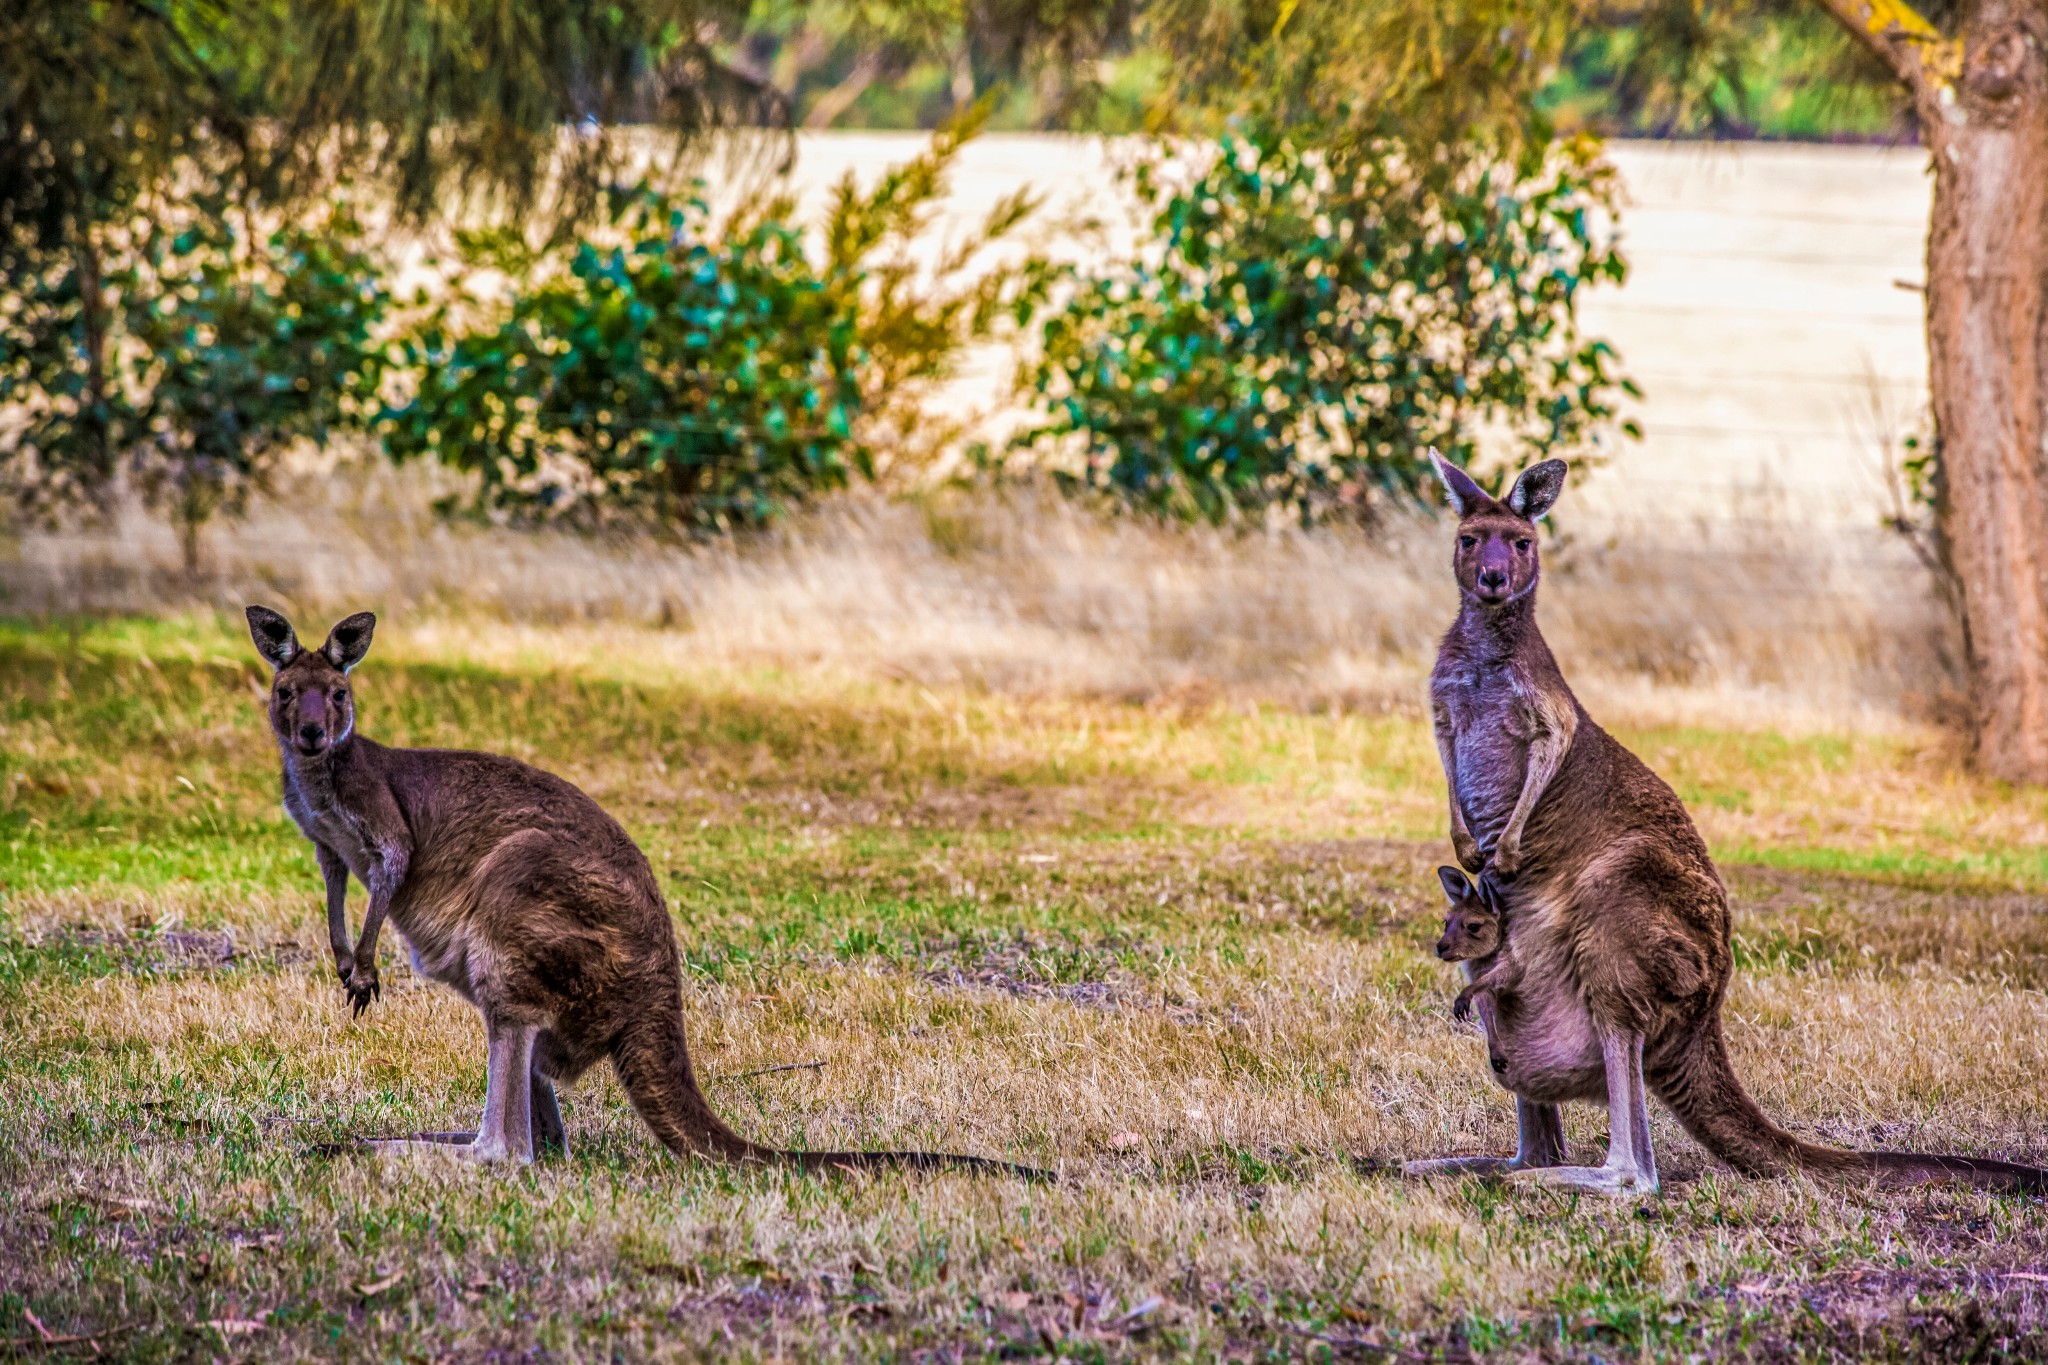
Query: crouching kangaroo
1615 916
515 888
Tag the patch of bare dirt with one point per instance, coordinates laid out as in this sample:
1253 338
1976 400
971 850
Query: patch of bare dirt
146 950
1918 1313
1083 974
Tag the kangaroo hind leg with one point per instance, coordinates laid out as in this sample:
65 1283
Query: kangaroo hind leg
1630 1170
1539 1142
1539 1127
551 1062
511 1090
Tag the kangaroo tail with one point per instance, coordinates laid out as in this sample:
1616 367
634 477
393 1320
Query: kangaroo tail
1698 1082
653 1065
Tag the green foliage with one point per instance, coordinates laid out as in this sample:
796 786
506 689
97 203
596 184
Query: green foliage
709 376
1310 324
217 351
702 380
1431 73
186 360
911 63
1770 68
101 99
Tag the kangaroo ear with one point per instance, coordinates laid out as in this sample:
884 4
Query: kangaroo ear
1536 491
349 641
274 637
1465 496
1456 884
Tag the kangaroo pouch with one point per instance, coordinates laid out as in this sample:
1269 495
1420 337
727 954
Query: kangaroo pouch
1544 1046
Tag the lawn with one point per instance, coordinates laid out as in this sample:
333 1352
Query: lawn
1178 951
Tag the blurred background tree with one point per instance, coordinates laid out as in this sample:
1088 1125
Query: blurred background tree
1315 319
219 349
709 374
517 108
116 110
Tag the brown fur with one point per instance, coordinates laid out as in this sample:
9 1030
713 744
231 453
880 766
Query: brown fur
519 891
1614 912
1472 935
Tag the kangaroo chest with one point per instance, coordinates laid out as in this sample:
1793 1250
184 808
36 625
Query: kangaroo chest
321 818
1490 720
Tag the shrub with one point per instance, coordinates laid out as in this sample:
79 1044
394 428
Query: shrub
1304 327
708 376
183 357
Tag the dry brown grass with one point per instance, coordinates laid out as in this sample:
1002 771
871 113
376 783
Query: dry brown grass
1747 622
1004 922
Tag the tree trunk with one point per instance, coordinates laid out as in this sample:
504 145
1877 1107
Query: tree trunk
1987 342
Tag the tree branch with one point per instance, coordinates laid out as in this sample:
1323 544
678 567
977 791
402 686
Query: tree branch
1925 60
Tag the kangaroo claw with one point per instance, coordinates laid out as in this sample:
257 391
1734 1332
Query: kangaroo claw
361 992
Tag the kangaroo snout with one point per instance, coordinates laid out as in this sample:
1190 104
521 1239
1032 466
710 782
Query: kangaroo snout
312 738
1493 580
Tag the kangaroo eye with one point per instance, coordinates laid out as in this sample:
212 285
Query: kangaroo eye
1522 544
284 694
341 694
1468 541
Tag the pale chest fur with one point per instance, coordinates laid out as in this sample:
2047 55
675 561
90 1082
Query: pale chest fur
309 798
1489 715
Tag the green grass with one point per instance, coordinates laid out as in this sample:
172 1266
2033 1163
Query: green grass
1181 954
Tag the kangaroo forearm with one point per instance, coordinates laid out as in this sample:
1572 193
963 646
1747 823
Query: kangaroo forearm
384 884
1545 758
1501 972
334 873
373 924
1461 833
1555 727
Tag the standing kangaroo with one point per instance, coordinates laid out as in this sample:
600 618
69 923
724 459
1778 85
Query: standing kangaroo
515 888
1615 915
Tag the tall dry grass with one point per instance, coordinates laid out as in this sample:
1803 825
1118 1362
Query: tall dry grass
1735 620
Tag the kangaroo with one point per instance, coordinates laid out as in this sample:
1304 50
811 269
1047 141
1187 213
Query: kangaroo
1614 910
515 888
1472 934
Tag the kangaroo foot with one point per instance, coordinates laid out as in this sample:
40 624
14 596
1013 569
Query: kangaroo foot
461 1146
420 1142
1616 1182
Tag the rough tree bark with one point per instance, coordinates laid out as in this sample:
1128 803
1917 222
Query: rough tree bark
1982 98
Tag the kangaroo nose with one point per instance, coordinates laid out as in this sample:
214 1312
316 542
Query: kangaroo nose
1493 578
310 734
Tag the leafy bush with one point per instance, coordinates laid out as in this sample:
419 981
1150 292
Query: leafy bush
708 376
183 357
1306 325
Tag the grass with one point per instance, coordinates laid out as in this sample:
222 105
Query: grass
1178 949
